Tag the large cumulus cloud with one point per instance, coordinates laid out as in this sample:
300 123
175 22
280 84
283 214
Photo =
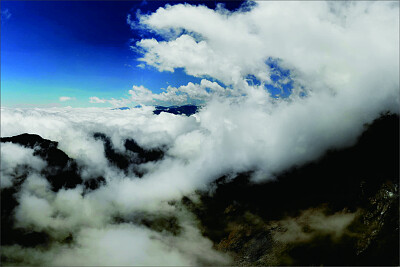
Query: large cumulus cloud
331 42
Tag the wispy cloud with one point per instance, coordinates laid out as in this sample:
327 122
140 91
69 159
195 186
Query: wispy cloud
95 99
115 102
184 94
66 98
5 15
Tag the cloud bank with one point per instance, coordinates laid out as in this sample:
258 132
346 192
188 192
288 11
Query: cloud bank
342 58
328 44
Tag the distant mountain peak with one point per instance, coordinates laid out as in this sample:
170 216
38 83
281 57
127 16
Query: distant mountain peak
121 108
177 110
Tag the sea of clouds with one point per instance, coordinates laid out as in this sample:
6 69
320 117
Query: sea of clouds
343 59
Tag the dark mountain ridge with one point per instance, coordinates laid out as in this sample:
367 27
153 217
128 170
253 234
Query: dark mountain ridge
186 110
61 172
177 110
362 179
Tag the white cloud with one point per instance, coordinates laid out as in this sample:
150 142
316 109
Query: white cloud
13 155
124 245
140 94
114 102
316 40
192 92
95 99
119 102
142 66
66 98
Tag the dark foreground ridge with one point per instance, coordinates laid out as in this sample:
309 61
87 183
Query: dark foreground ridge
286 221
342 209
62 172
134 154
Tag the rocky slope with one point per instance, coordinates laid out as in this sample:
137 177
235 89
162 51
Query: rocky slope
340 210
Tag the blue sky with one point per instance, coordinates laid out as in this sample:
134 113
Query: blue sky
78 49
